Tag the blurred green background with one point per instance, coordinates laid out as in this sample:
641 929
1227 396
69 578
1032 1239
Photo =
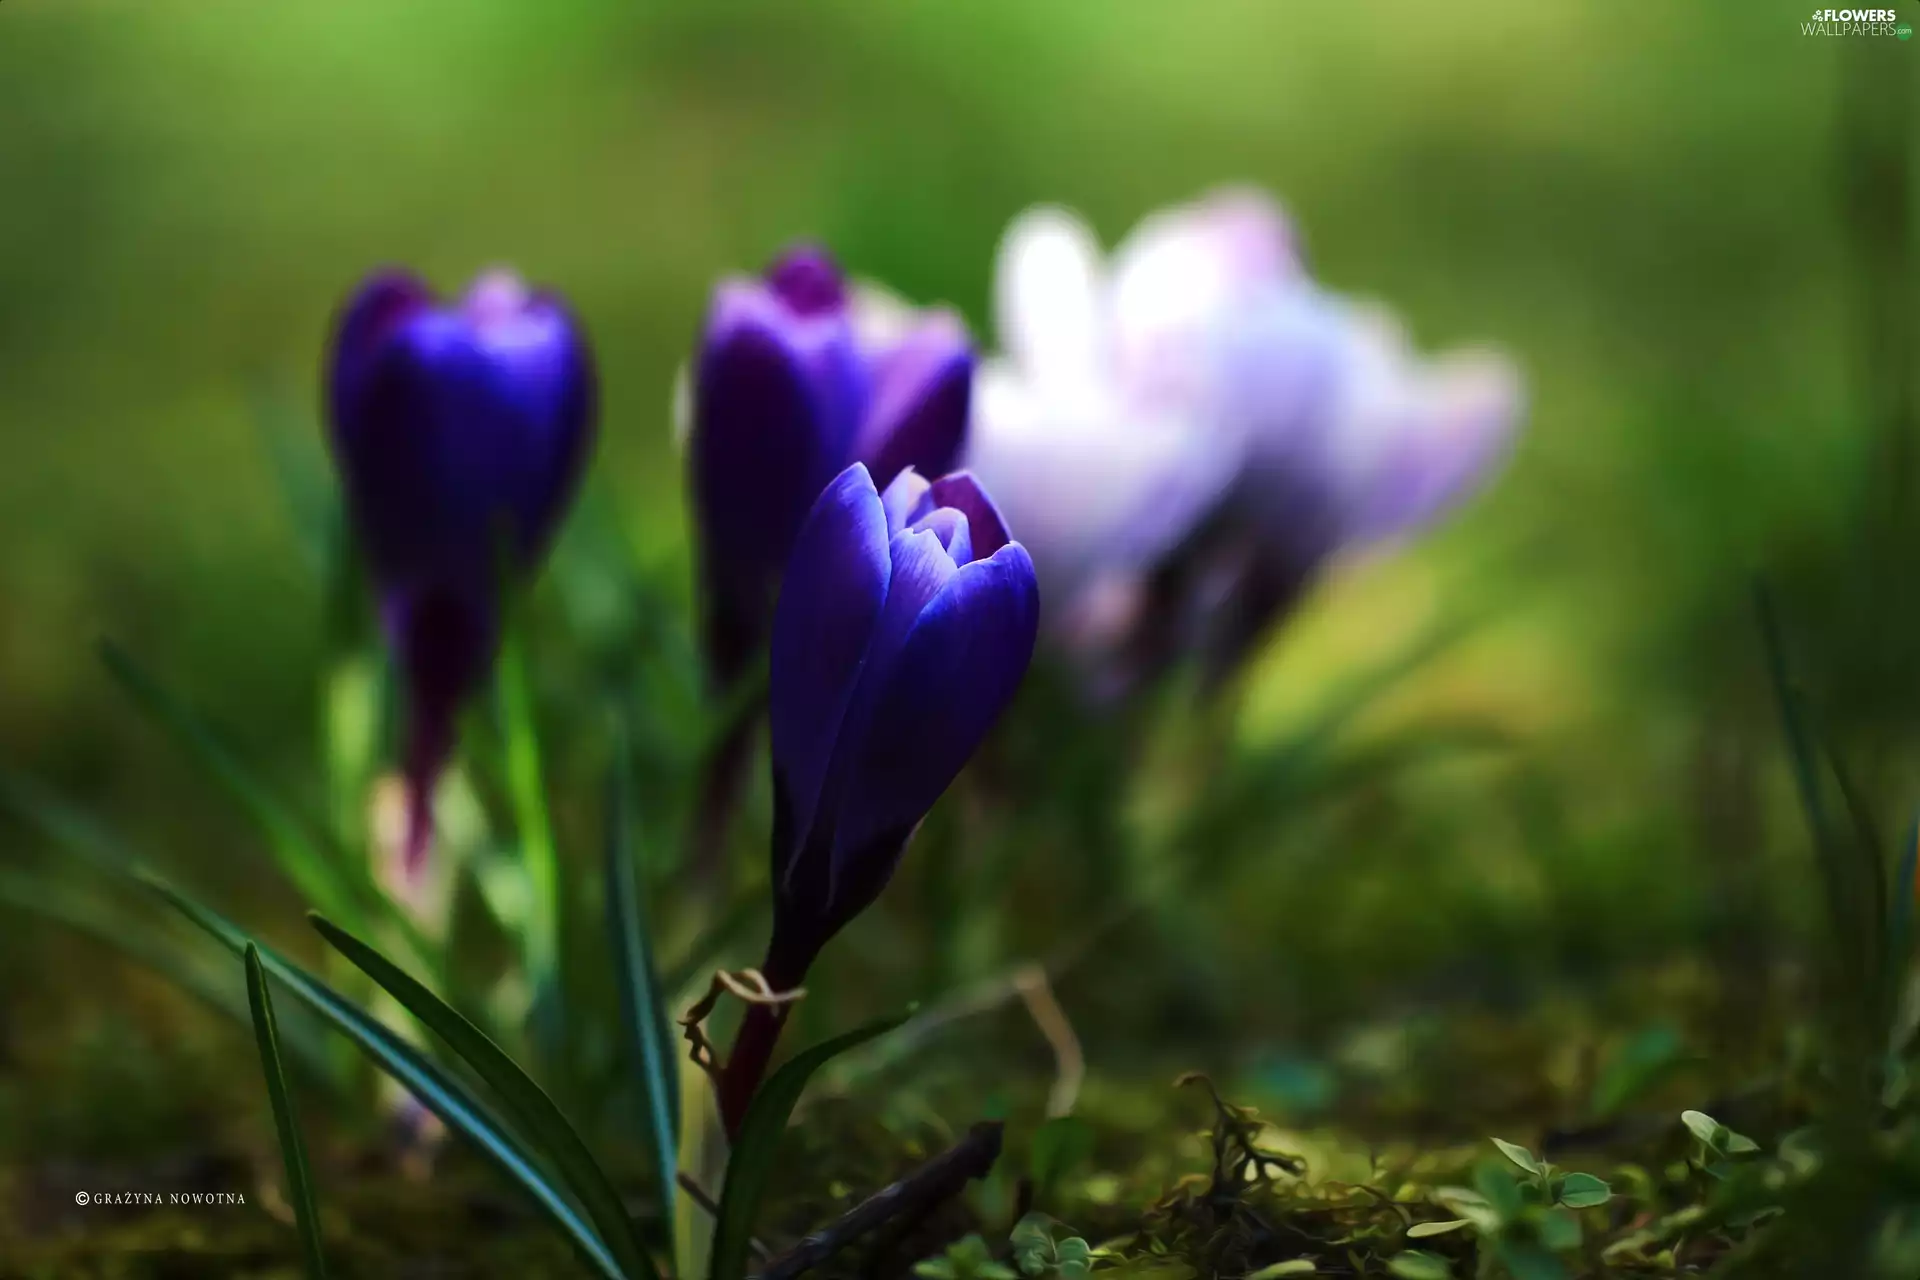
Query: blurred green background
1648 206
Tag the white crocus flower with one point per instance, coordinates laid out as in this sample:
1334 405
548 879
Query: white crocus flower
1098 431
1184 435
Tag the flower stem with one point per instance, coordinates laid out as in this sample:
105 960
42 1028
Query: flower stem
753 1047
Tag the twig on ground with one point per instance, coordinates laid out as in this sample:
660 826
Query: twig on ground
914 1195
698 1194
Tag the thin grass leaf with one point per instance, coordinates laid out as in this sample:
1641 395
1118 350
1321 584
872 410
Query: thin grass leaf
643 1003
735 921
527 798
36 895
1867 876
77 833
293 1149
1279 771
757 1145
289 436
72 828
1900 907
444 1094
526 1103
447 1096
325 876
318 877
1832 861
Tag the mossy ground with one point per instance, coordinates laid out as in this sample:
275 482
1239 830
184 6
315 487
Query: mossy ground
1350 1149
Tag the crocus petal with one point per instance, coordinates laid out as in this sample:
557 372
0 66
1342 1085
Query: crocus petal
451 426
963 493
917 416
431 454
1091 485
950 526
951 680
385 301
1181 278
770 416
1457 424
921 567
905 500
443 641
546 365
1048 294
830 604
808 280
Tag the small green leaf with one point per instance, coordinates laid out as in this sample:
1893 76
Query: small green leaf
1638 1065
1520 1156
1060 1146
1559 1230
525 1101
757 1145
1073 1248
1291 1267
1500 1191
1584 1191
1421 1230
642 1003
1418 1264
1032 1241
1473 1206
293 1149
1705 1128
1738 1144
1528 1261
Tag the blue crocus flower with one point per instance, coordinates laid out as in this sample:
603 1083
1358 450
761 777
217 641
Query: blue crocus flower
795 378
905 624
459 432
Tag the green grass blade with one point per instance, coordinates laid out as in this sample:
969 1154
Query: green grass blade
445 1095
71 828
36 895
643 1003
1900 907
317 877
325 876
526 1103
290 438
293 1149
75 832
758 1144
527 797
736 920
1833 861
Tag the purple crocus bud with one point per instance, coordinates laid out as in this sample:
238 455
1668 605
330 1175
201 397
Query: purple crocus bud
905 625
789 387
460 432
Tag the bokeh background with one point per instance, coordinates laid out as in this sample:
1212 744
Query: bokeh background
1675 218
